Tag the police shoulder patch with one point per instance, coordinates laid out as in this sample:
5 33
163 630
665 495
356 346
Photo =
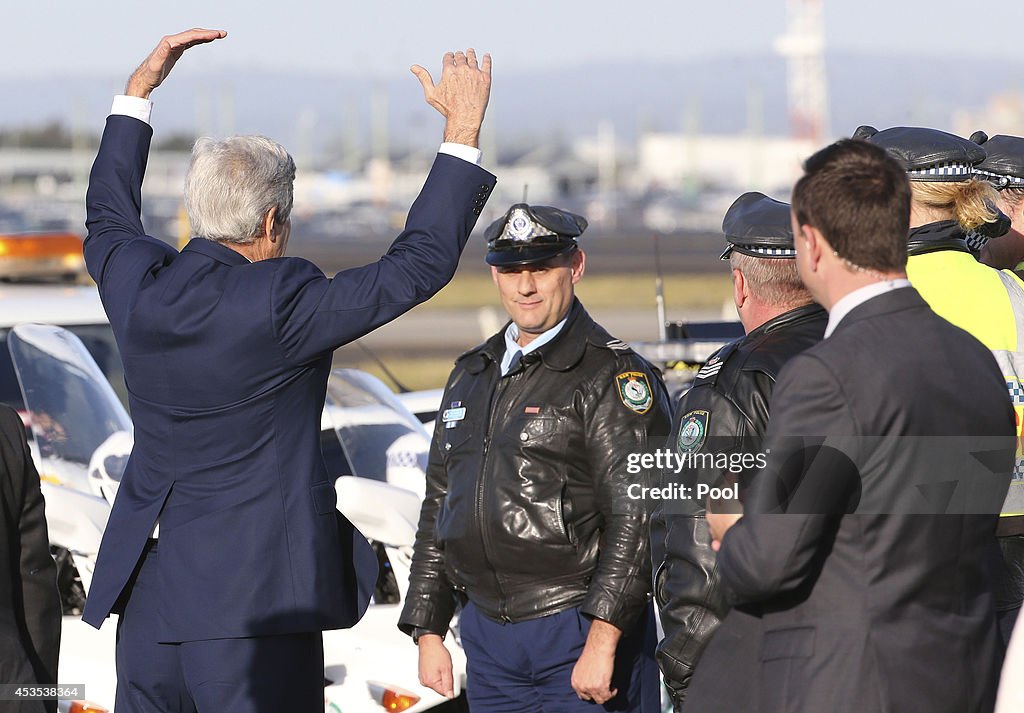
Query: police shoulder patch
693 430
634 390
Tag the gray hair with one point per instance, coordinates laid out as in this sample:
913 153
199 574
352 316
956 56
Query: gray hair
773 281
232 184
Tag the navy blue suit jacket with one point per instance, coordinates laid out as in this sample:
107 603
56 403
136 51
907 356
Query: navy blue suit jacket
226 364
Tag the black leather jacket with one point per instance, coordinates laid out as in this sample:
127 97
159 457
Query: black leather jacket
730 396
942 235
526 510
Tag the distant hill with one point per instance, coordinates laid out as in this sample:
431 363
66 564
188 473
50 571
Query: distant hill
316 113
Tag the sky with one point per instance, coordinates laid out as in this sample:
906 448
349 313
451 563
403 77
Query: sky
381 39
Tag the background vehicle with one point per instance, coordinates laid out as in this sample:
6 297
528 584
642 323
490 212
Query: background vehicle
81 440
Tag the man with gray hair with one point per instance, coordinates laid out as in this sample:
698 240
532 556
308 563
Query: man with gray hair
231 183
227 350
726 412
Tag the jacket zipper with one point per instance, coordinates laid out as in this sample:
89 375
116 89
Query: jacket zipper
495 400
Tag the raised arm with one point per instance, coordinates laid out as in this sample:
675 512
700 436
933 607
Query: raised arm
114 198
461 96
315 314
154 69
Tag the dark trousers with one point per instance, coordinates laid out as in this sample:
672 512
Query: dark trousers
526 667
16 668
269 673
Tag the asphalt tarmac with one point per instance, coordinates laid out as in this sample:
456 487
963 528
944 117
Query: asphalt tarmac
607 252
447 333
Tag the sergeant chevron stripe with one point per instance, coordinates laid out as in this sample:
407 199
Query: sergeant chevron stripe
709 370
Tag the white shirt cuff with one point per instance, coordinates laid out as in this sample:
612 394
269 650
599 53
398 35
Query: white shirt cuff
135 107
466 153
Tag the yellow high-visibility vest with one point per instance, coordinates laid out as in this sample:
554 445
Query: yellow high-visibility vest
988 304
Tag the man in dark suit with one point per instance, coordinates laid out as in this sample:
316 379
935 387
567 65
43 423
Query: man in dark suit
227 350
871 600
29 603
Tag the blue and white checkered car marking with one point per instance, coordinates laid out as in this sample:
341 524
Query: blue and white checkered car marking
1016 392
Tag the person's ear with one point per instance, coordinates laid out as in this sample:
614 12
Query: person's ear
269 225
814 243
494 274
579 265
739 288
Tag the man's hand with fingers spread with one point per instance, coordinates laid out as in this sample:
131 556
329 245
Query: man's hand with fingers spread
461 95
155 68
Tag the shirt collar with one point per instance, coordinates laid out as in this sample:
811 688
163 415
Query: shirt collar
858 297
512 348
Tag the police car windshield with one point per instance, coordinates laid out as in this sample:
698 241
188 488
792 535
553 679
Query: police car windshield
97 338
378 435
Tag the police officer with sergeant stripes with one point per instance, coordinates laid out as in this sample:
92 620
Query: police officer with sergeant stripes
726 411
527 517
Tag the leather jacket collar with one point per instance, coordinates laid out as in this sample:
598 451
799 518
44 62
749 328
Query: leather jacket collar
943 235
793 316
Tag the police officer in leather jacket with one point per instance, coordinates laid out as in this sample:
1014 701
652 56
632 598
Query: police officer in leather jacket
529 519
726 412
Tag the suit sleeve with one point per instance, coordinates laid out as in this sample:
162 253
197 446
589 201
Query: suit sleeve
113 206
314 314
40 601
793 505
620 586
430 601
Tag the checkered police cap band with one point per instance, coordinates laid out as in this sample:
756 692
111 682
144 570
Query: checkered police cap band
975 240
770 252
953 171
999 180
759 251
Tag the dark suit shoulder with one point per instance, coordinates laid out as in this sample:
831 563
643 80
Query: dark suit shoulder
289 266
10 422
286 277
896 325
12 445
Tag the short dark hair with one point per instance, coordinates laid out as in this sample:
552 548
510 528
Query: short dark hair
859 199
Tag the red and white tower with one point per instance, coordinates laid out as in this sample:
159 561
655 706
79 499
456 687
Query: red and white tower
803 46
